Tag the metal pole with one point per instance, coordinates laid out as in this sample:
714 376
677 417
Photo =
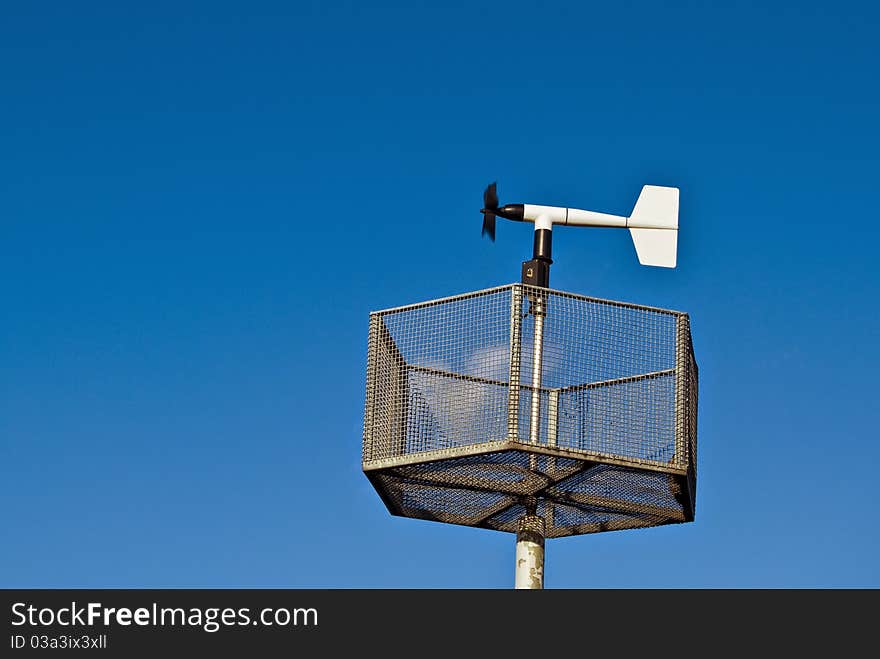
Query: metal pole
537 302
531 528
530 553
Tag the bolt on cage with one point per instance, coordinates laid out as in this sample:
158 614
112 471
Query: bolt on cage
489 406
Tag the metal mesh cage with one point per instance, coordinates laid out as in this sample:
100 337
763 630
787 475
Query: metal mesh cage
481 404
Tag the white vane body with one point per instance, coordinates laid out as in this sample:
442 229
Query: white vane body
653 224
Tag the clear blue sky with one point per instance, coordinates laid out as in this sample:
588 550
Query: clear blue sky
201 202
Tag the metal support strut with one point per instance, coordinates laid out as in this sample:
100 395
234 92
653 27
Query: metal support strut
537 310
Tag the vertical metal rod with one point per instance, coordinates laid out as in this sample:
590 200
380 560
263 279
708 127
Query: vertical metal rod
535 424
681 337
552 416
369 445
552 437
530 553
515 352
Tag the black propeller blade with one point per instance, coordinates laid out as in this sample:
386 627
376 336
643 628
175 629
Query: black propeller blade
490 204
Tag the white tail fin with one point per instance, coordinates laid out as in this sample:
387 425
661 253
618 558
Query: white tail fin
656 246
654 226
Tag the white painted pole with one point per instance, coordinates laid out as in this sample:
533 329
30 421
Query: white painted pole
530 554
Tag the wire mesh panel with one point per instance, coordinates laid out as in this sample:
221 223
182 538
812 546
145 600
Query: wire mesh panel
481 403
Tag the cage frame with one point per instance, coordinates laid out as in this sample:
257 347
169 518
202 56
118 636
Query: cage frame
682 471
